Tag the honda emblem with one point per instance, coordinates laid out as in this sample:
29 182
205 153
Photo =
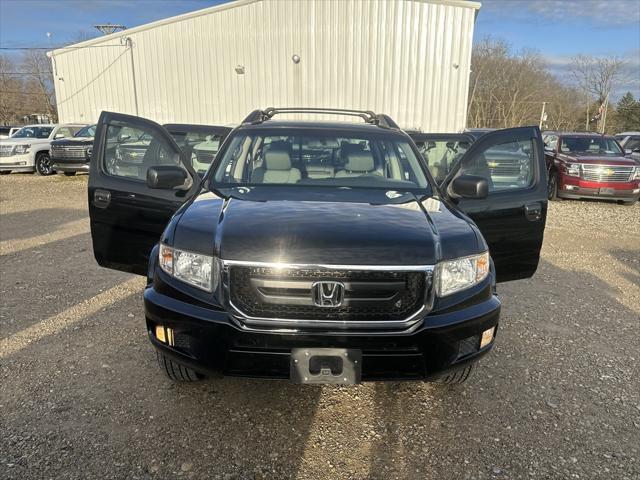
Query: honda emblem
327 294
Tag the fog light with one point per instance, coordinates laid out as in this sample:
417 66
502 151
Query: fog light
487 337
165 334
22 163
569 187
636 190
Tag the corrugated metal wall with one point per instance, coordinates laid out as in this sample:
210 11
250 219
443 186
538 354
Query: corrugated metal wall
407 58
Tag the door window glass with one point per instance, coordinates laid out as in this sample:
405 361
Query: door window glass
506 166
441 155
64 132
130 151
200 147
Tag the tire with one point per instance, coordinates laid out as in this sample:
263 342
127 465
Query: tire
69 174
43 164
629 204
459 376
5 172
177 372
552 186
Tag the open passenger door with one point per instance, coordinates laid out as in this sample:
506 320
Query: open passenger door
513 213
441 151
138 178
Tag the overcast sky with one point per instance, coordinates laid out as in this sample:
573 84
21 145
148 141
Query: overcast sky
558 29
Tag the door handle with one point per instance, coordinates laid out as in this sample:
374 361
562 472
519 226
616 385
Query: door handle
101 198
533 211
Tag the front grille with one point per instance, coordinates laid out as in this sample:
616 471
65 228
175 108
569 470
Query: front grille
504 169
6 150
605 173
132 155
71 151
204 157
270 293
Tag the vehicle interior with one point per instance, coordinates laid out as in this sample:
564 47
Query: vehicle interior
321 160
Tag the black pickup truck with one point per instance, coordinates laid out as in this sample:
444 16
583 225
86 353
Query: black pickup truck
320 252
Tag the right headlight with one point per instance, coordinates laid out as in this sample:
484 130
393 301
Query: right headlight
573 169
636 174
192 268
22 149
452 276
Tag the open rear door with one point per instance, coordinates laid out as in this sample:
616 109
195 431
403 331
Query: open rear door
127 214
512 217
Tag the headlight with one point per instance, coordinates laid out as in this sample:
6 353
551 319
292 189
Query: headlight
21 149
192 268
573 169
89 152
636 174
455 275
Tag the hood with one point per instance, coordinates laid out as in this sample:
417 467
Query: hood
597 159
21 141
73 141
366 228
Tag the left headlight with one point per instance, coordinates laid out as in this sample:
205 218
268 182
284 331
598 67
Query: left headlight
455 275
192 268
22 149
636 174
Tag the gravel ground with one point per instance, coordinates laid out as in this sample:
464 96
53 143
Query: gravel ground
81 396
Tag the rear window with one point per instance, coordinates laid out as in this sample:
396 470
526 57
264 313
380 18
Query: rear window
320 158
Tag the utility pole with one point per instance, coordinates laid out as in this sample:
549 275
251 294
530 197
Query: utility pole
543 115
604 114
129 44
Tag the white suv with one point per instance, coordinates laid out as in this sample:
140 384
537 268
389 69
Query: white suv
28 149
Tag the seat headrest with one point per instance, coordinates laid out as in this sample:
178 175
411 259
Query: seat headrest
277 159
359 161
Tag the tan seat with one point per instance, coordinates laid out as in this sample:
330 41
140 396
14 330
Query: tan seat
277 168
359 162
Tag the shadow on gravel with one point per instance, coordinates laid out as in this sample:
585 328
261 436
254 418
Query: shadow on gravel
631 259
32 223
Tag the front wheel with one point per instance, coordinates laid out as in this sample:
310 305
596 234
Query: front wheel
43 164
177 372
629 203
5 172
552 186
459 376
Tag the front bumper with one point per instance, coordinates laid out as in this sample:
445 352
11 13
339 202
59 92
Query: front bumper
67 166
17 163
575 188
212 342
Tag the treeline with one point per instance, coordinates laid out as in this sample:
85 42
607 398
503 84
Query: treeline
516 88
26 88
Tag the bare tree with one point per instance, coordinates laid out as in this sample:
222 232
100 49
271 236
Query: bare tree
596 76
39 81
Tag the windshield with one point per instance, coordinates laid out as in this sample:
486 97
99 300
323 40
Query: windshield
89 131
33 132
598 146
326 158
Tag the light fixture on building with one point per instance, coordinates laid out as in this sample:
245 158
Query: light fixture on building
296 58
240 69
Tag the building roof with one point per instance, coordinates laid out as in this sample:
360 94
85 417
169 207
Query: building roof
121 35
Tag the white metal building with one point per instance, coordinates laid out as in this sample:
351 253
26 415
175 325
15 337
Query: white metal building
407 58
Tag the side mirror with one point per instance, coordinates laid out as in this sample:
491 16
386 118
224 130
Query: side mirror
58 135
470 186
548 149
166 177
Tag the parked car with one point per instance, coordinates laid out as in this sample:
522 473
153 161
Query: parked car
28 149
590 165
629 141
71 155
6 131
316 251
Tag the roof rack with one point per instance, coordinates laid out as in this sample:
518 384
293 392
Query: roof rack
380 119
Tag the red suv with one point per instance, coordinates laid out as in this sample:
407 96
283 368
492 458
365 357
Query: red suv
589 165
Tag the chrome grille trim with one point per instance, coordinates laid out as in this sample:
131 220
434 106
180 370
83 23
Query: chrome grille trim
342 326
69 151
6 150
606 173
